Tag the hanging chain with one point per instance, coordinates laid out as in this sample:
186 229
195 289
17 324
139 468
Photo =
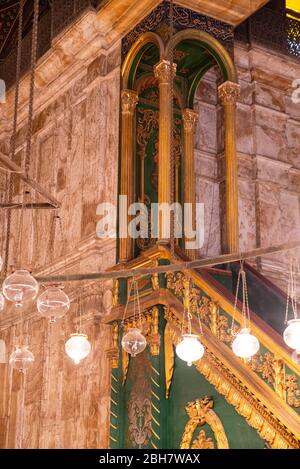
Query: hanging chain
32 80
292 290
14 133
127 302
236 299
172 147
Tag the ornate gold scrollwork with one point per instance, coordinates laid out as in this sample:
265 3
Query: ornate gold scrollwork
225 382
200 412
113 352
293 392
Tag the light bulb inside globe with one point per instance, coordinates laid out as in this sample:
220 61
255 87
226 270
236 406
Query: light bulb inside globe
20 287
291 334
133 342
77 347
245 345
190 349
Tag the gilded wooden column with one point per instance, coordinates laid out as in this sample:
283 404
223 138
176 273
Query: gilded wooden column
228 94
129 101
162 72
189 118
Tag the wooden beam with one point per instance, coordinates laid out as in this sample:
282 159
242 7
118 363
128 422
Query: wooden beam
175 267
35 206
14 168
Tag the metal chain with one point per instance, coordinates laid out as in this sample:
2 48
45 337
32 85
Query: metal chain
235 301
14 133
32 80
172 155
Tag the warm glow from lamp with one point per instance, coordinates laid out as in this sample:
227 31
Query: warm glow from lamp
78 347
291 334
245 345
190 349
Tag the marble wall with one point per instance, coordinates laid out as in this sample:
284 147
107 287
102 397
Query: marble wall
268 149
268 146
75 157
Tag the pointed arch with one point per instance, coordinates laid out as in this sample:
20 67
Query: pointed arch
135 54
212 45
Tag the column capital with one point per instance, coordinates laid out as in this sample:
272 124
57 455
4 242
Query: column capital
129 100
162 71
190 119
229 92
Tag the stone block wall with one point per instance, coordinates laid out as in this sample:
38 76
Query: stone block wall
75 157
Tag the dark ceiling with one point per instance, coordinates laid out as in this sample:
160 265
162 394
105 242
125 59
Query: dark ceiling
9 13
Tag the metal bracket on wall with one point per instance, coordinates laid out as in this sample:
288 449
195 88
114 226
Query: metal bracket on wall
52 203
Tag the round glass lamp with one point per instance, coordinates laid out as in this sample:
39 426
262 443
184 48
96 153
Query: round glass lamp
53 304
291 334
245 345
20 287
21 359
2 302
190 349
133 342
78 347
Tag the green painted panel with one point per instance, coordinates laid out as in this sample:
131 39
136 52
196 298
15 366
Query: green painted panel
189 385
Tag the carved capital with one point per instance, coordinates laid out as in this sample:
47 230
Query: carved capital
228 92
190 119
162 72
129 100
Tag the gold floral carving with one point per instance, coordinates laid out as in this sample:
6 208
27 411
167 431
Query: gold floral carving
228 92
293 392
113 352
190 119
129 100
246 404
202 442
270 367
154 336
272 370
162 72
200 412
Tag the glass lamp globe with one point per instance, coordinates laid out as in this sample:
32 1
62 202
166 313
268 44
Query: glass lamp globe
21 359
77 347
2 302
20 287
245 345
53 304
291 334
133 342
190 349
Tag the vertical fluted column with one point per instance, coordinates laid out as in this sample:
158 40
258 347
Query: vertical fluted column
228 94
190 119
163 74
129 101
